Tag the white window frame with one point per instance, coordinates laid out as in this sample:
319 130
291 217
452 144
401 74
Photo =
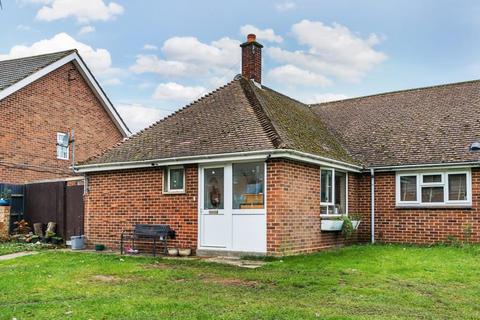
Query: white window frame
332 202
57 146
167 178
444 183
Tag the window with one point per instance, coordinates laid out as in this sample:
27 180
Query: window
214 188
174 180
333 191
248 185
433 189
62 146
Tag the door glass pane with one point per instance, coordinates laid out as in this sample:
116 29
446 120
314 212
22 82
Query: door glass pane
326 186
213 188
432 194
176 179
248 185
340 193
432 178
457 187
408 188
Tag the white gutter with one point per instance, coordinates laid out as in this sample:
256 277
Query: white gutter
372 205
426 165
236 156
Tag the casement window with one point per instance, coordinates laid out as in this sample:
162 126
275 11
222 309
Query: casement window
248 185
333 192
62 146
174 178
430 189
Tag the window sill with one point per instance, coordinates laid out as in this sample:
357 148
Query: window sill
433 207
174 192
332 215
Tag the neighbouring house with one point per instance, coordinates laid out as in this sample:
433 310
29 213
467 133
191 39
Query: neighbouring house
43 99
53 112
246 169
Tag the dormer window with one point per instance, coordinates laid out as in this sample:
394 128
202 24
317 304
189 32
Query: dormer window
62 146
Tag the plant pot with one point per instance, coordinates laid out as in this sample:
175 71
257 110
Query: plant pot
355 224
56 241
184 252
331 225
99 247
172 252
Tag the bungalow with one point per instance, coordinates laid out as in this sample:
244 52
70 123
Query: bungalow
246 169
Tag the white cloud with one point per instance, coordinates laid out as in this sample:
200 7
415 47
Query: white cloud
172 91
265 34
331 51
292 75
189 57
111 82
83 10
86 29
98 60
325 97
285 6
23 27
151 63
138 116
148 46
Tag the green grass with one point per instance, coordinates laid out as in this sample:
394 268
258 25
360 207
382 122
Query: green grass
12 247
358 282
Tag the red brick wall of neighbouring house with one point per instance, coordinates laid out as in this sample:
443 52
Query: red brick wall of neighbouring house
32 116
293 209
118 200
422 226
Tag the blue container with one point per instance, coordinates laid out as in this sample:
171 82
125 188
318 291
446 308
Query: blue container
4 202
77 242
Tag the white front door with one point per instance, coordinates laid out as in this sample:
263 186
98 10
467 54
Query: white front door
216 213
232 207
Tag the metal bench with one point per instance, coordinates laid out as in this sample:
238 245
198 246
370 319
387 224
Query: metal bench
155 232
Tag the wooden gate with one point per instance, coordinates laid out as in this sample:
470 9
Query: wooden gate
56 202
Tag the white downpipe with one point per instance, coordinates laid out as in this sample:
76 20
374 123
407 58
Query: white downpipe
372 205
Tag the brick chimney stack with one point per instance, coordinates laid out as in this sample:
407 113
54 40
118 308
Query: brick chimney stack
252 59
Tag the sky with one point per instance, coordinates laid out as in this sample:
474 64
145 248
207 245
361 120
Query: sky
154 57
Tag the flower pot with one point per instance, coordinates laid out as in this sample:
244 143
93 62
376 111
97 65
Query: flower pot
184 252
172 252
356 223
99 247
56 240
331 225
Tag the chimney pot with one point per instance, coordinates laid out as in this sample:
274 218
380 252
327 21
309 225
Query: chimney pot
252 59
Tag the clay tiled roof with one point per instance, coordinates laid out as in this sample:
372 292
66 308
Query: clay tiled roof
240 116
12 71
419 126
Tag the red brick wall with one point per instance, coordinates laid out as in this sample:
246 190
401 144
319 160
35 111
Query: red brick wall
422 226
118 200
293 209
32 116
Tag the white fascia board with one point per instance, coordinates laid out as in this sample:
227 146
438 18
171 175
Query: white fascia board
227 157
427 166
87 75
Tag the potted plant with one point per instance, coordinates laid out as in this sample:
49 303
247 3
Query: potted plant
356 218
347 227
56 240
48 236
5 197
331 224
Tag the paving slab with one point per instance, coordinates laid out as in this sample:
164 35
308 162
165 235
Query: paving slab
17 255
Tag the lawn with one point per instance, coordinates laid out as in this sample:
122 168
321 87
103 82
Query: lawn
358 282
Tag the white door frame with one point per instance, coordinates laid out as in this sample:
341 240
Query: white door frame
258 214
